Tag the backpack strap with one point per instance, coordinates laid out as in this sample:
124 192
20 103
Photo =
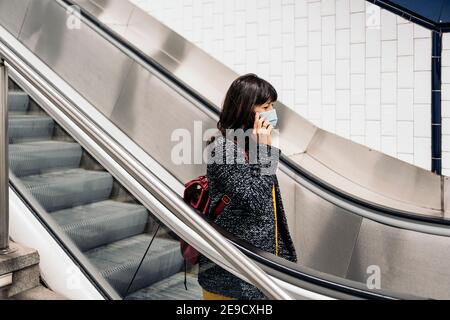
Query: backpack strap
224 201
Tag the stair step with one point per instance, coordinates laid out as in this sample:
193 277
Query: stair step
118 261
23 263
30 127
171 288
100 223
39 157
69 188
18 101
21 258
37 293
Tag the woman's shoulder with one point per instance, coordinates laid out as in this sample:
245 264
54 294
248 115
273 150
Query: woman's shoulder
224 150
223 143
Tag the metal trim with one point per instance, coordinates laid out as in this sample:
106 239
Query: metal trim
152 183
411 16
135 189
4 160
436 105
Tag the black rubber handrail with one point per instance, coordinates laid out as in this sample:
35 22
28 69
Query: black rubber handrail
413 217
289 268
250 251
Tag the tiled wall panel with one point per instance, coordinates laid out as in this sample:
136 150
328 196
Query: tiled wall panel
346 65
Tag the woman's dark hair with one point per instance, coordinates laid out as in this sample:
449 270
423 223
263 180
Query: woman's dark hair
244 94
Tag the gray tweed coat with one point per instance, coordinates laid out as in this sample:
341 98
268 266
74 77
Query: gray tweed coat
249 216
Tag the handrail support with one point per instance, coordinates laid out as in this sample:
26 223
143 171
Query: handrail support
4 162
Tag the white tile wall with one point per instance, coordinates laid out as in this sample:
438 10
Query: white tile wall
346 65
389 56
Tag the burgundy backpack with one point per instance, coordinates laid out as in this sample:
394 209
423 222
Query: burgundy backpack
196 194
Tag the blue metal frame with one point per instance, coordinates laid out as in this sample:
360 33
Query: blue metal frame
416 17
436 108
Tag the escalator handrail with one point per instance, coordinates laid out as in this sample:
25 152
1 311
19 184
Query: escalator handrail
132 165
181 214
253 254
152 183
401 218
323 280
183 211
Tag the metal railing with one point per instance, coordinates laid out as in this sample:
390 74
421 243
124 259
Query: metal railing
4 162
164 194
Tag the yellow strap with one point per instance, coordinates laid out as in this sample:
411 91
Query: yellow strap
214 296
276 221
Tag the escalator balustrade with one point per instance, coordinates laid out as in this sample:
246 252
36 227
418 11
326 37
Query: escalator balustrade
111 229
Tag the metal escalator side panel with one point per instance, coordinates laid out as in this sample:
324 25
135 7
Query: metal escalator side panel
119 279
79 55
129 92
377 172
12 14
181 59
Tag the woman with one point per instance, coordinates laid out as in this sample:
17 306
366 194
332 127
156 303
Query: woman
255 213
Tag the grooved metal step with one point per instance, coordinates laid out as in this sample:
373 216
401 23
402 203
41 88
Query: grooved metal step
111 234
18 101
69 188
171 288
118 261
38 157
99 223
30 126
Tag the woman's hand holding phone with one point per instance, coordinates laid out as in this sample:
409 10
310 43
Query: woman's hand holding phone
262 130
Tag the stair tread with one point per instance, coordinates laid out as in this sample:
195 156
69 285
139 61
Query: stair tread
18 101
37 293
28 116
64 189
99 223
171 288
119 261
41 144
129 251
62 176
107 209
32 158
30 126
22 257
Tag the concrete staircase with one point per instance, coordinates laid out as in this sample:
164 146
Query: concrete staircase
20 276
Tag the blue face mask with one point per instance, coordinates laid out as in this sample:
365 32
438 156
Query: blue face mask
270 116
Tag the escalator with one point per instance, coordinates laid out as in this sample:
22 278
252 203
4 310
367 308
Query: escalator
344 218
103 220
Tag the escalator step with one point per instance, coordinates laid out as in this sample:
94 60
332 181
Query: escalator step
100 223
118 261
38 157
68 188
171 288
33 127
18 101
